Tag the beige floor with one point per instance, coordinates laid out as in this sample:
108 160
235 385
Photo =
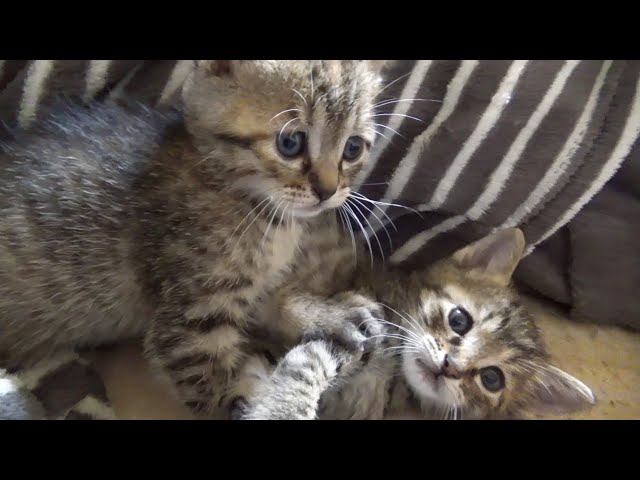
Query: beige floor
605 358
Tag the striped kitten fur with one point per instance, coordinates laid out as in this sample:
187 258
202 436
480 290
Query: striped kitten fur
118 222
458 345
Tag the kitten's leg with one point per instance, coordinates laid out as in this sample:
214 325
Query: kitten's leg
348 318
65 386
294 389
210 362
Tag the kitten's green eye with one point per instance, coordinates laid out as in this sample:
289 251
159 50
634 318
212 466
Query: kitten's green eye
291 145
353 149
492 378
460 321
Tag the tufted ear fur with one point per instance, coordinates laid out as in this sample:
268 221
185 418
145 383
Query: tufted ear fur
557 392
494 257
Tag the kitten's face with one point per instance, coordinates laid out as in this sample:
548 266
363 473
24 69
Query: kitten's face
296 132
474 352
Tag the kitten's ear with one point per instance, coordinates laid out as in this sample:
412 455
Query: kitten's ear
555 392
495 256
217 68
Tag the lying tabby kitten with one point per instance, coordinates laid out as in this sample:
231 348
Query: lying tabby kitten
117 222
460 346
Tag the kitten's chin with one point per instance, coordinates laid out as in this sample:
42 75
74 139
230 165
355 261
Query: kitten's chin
308 211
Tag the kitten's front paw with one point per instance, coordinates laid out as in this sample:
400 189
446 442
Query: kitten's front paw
366 320
238 408
357 329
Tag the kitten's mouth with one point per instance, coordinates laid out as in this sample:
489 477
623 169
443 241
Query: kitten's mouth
316 208
422 378
428 374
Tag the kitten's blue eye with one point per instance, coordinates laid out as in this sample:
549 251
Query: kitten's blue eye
353 148
460 321
492 378
291 145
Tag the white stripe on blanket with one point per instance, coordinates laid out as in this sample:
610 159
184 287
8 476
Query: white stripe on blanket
501 174
488 120
180 72
563 159
628 137
119 88
405 168
96 78
416 242
409 91
34 84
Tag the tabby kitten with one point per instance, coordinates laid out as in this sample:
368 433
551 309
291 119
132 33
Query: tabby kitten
460 345
117 222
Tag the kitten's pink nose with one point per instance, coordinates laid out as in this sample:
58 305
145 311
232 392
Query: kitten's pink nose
323 190
322 193
449 368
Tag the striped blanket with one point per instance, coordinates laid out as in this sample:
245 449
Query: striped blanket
549 146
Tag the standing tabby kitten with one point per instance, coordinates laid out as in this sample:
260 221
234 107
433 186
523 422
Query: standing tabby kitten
460 346
119 222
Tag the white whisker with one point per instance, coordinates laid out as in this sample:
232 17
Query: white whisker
372 229
348 226
391 83
284 211
389 128
399 115
285 125
301 96
285 111
405 318
247 215
396 205
381 134
355 199
252 222
270 217
355 217
411 341
410 332
391 102
366 199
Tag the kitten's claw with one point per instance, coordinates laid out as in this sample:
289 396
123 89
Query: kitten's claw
238 408
356 330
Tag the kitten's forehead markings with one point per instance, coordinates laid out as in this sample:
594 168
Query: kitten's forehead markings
479 312
460 298
316 131
429 308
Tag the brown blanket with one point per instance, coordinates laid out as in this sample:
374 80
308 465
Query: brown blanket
550 146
